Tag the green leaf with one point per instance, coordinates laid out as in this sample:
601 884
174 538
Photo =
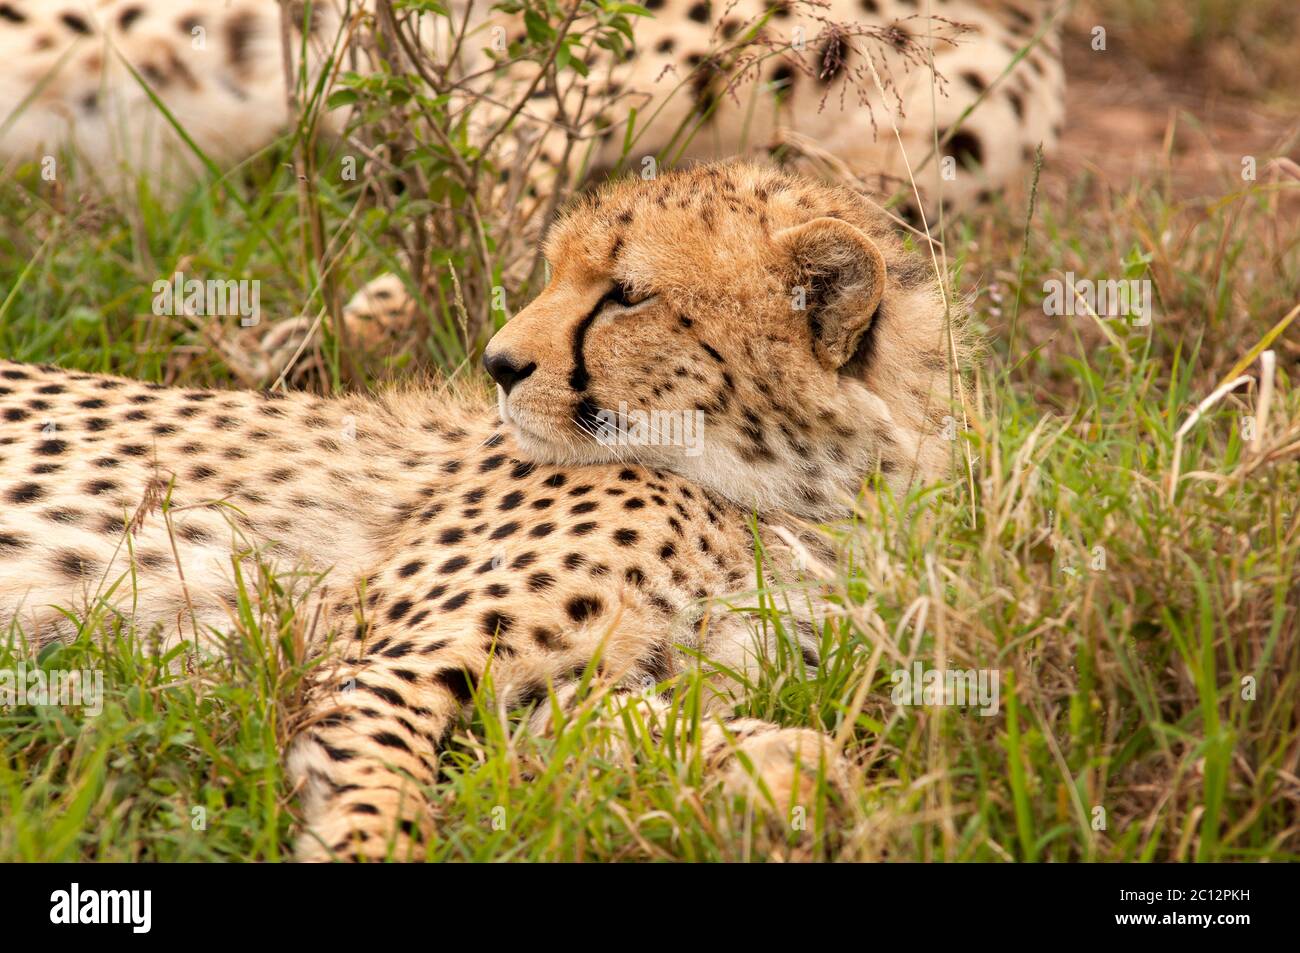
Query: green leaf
539 31
341 97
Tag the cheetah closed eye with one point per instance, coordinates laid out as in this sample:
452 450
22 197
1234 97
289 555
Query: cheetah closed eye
454 541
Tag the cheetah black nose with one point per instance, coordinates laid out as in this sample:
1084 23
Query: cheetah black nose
505 371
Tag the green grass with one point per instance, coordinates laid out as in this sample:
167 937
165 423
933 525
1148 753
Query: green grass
1123 611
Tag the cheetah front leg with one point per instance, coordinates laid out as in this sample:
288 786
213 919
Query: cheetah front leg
365 756
370 739
369 746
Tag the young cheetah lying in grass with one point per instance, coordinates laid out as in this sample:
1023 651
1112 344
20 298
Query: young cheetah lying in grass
457 538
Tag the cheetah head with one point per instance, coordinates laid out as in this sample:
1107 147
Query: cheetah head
764 336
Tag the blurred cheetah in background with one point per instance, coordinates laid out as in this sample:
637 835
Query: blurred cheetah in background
707 79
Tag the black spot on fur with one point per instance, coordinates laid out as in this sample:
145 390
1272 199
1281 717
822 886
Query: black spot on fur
381 691
457 682
390 740
239 34
74 565
76 24
128 17
337 754
454 564
455 602
24 493
581 608
1017 103
11 542
966 148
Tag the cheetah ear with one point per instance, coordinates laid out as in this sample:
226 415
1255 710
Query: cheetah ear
839 281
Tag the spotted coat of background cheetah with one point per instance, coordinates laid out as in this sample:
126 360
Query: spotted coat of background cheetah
455 538
814 80
743 74
715 78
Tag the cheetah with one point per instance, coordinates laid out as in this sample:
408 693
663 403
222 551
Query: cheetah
457 538
703 79
943 103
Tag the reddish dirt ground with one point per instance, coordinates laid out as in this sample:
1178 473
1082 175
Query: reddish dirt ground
1127 124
